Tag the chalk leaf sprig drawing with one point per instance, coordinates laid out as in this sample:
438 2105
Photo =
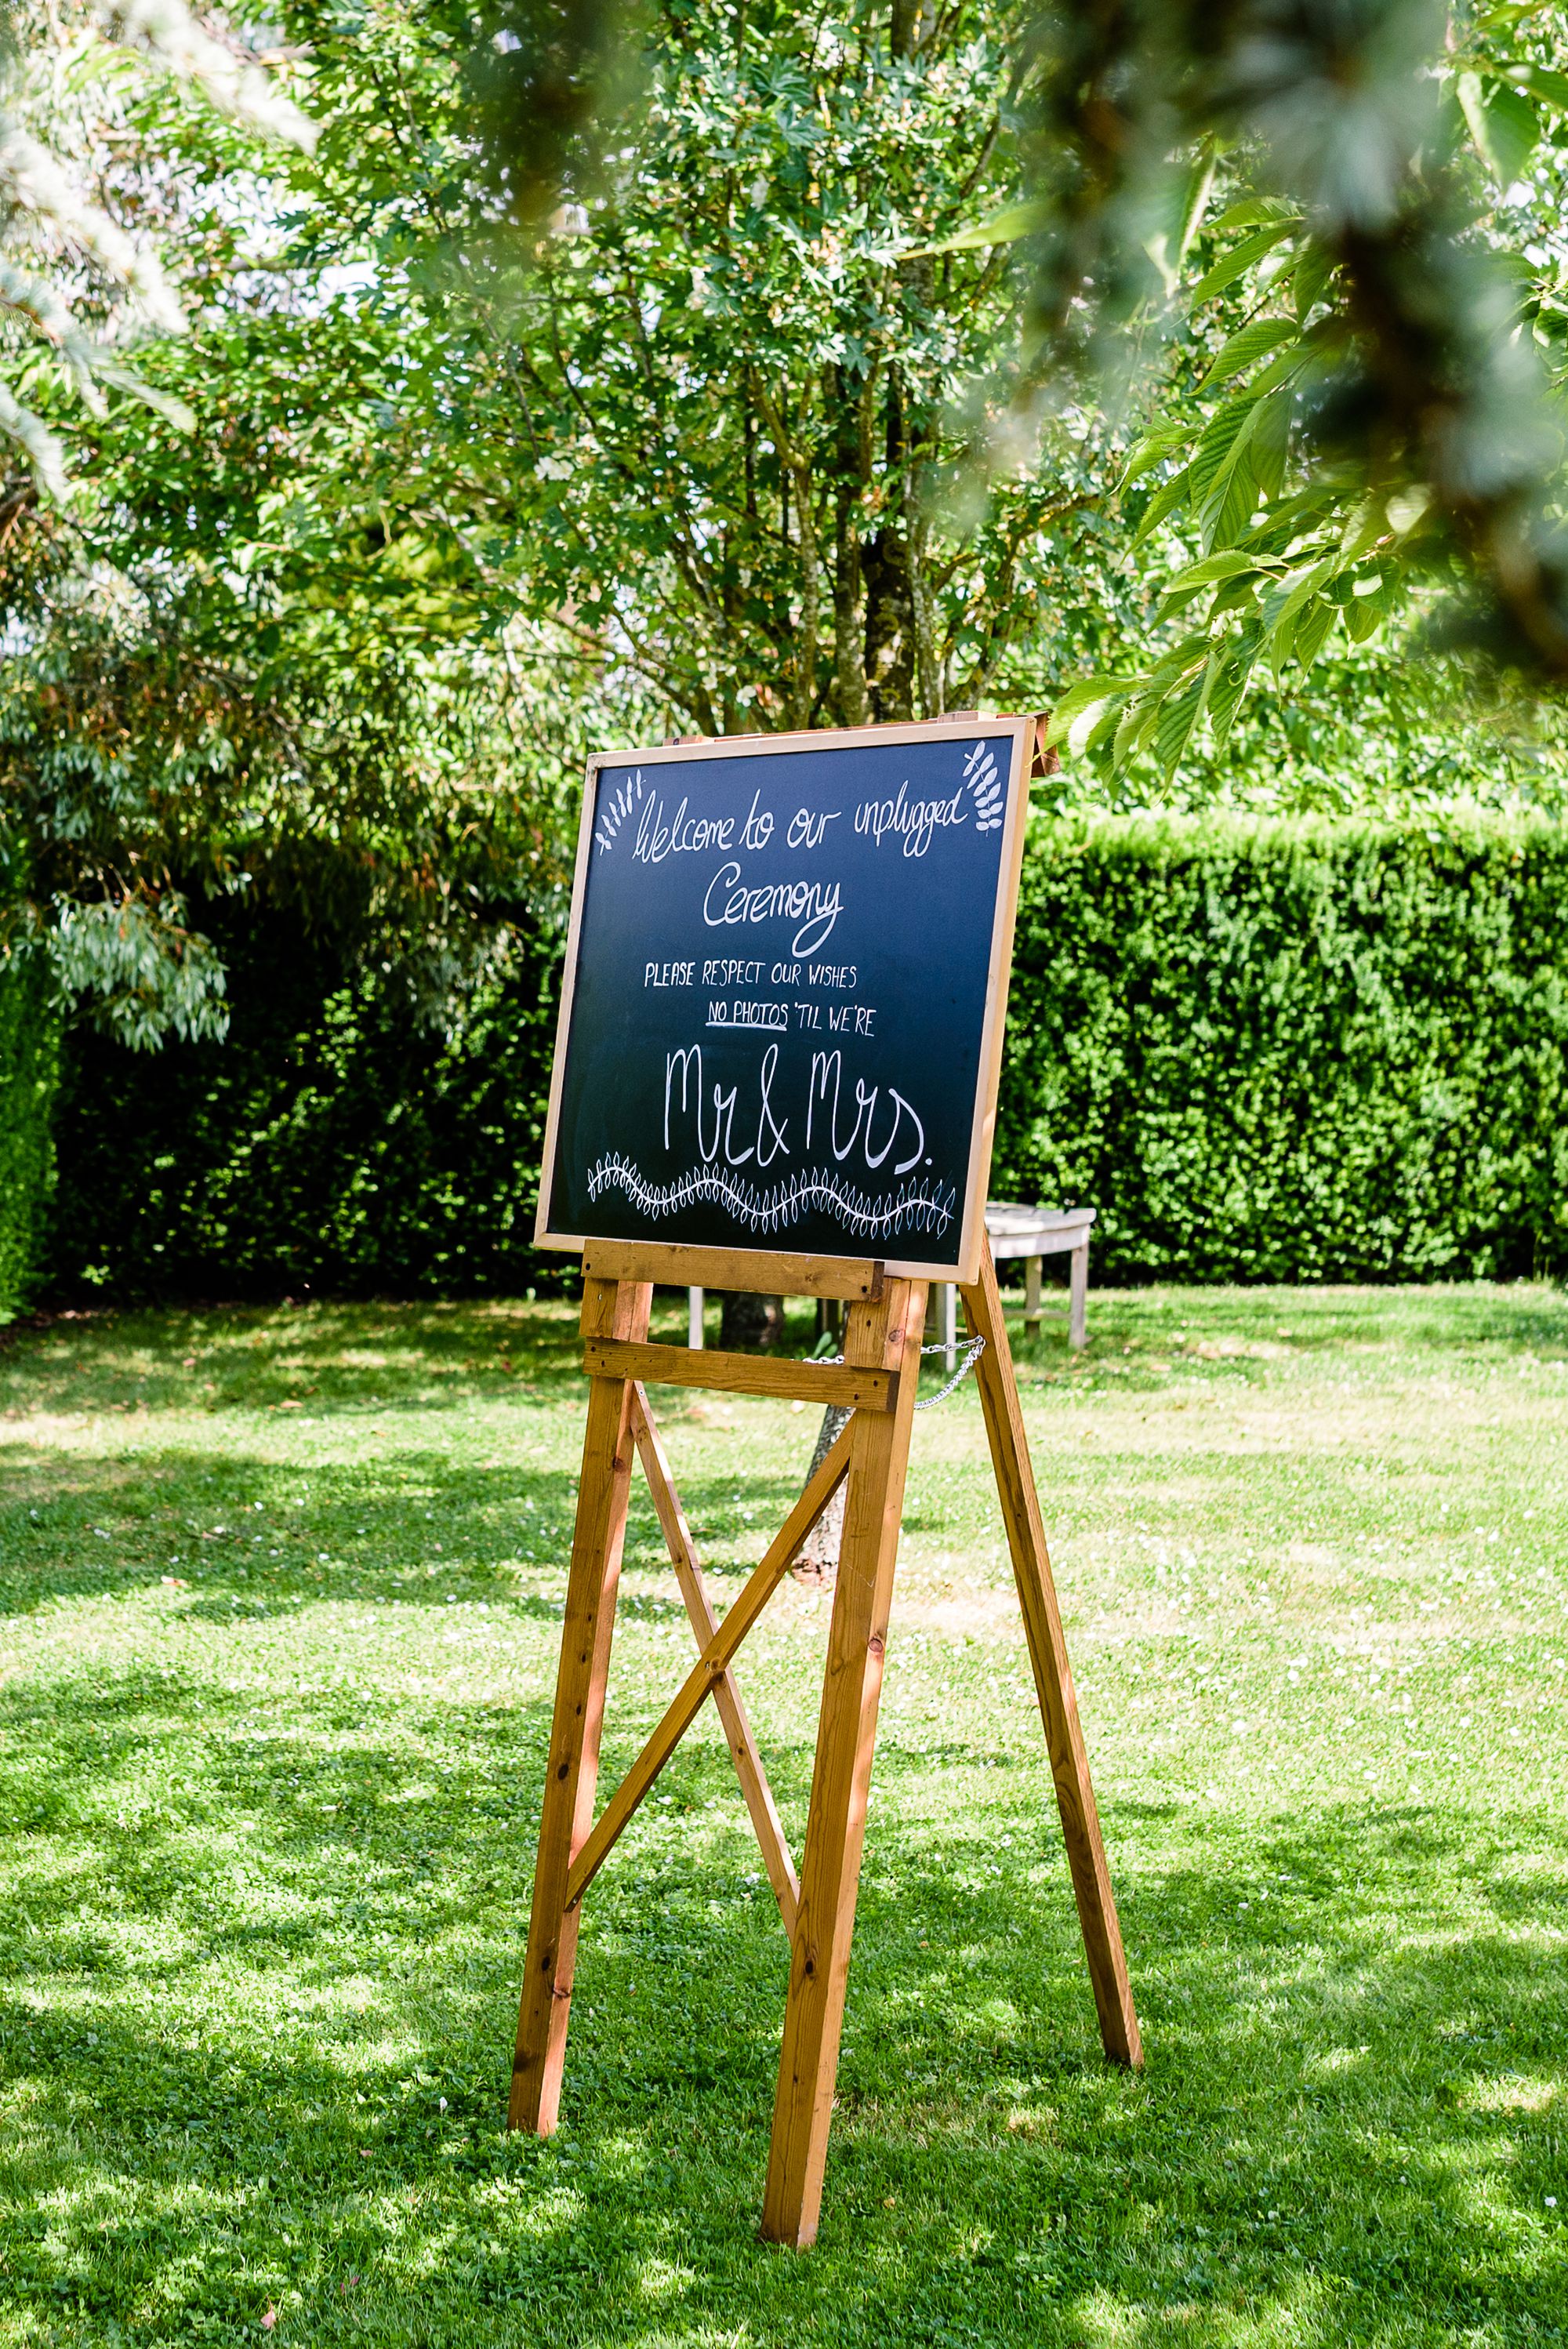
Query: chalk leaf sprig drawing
990 800
613 812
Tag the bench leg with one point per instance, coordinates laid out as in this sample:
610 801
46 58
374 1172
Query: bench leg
1032 1297
1078 1302
694 1320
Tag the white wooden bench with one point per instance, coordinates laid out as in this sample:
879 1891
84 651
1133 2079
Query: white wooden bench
1033 1233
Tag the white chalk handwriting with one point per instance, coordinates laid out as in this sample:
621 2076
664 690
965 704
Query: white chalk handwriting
696 1109
814 905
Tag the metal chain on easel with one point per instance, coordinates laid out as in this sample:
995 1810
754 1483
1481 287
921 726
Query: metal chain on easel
973 1350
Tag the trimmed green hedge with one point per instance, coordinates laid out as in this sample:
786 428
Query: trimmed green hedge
338 1142
1308 1050
29 1067
1262 1051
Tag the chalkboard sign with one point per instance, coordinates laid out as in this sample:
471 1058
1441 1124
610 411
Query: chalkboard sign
784 984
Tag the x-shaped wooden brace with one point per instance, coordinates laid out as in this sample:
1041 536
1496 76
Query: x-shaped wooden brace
718 1644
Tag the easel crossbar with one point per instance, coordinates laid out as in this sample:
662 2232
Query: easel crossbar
855 1280
713 1662
850 1385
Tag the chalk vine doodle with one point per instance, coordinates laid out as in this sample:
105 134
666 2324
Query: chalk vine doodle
913 1208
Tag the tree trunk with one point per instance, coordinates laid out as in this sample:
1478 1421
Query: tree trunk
851 464
889 607
817 1560
890 628
751 1322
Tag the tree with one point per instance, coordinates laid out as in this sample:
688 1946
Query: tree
1389 404
795 451
242 666
722 429
1377 321
451 503
733 401
80 289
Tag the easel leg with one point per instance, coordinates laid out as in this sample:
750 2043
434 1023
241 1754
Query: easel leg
835 1826
1053 1674
609 1309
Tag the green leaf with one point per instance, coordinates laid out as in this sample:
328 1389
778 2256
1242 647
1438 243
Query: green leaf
1502 122
1232 565
1137 724
1081 697
1216 441
1230 683
1311 275
1283 369
1099 735
1223 566
1005 227
1224 480
1311 630
1252 210
1363 528
1179 660
1186 202
1282 607
1552 89
1154 445
1362 618
1180 714
1235 594
1195 194
1271 439
1243 257
1250 343
1166 499
1387 593
1310 580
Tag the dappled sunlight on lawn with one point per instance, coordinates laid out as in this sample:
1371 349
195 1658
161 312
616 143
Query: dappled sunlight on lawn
274 1690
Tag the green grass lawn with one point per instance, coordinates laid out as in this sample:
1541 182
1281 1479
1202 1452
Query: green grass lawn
282 1595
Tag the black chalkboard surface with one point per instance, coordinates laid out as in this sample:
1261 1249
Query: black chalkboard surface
781 1015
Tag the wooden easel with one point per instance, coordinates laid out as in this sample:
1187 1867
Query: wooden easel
877 1380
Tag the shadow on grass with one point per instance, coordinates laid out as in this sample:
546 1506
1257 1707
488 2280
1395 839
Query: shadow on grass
414 1525
256 2053
384 1360
378 1361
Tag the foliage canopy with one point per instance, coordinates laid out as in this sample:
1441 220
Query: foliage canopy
584 377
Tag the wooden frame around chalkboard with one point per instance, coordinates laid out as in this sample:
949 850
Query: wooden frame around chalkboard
1020 733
